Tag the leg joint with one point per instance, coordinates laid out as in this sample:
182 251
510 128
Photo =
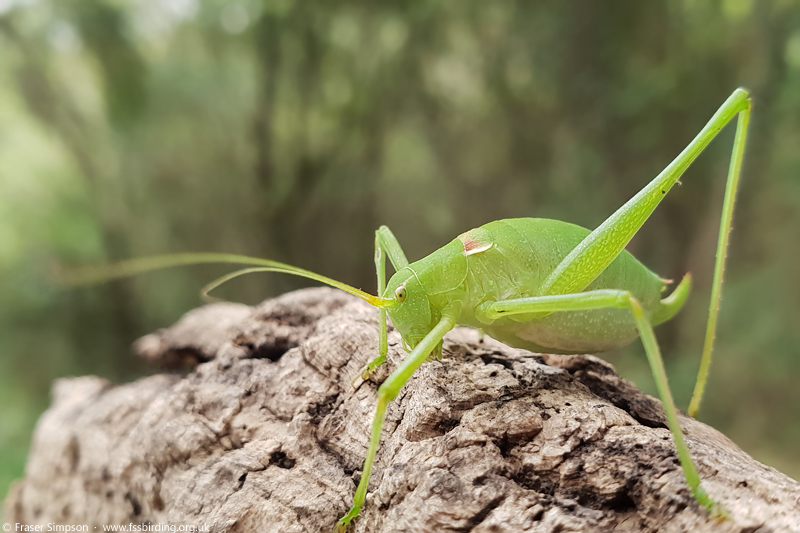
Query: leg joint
625 298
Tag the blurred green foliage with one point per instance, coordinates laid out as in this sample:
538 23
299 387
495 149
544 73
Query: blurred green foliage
292 129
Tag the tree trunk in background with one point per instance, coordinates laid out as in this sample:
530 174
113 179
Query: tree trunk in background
267 434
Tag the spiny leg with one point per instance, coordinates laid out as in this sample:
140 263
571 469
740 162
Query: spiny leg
722 252
603 299
386 244
387 392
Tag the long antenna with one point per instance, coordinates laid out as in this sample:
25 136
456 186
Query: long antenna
132 267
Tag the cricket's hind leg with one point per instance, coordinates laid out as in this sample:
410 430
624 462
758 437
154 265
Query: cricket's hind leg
604 299
587 260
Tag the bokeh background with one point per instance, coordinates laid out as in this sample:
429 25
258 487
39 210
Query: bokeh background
292 129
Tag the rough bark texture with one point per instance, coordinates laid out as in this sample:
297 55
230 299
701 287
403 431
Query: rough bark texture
265 433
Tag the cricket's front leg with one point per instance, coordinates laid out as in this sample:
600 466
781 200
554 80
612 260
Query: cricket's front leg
386 244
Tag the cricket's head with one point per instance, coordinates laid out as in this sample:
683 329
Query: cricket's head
410 309
417 294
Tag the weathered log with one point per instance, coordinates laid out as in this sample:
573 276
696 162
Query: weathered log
266 433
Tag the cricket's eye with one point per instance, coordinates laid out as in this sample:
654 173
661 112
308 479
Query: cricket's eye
400 294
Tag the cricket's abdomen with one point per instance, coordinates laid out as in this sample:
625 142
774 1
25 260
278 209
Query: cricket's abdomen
511 258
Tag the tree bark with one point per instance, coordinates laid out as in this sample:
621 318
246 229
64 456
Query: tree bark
266 433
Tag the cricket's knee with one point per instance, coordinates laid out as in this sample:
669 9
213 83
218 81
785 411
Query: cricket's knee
623 297
382 234
627 299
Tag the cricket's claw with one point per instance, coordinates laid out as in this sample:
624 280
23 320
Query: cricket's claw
363 374
369 368
716 510
341 525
